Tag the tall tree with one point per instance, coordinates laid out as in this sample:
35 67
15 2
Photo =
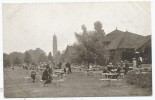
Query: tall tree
98 27
27 58
90 46
84 29
84 47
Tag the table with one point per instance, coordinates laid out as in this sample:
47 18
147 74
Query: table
56 79
109 77
58 72
89 71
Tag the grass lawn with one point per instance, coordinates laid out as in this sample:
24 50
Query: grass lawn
77 84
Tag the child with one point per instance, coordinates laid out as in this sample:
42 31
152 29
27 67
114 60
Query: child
33 75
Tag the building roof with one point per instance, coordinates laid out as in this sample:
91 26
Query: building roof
143 41
69 50
119 39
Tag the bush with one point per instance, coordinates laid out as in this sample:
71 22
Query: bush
140 80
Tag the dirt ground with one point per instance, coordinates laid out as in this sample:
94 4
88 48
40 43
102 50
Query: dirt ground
77 84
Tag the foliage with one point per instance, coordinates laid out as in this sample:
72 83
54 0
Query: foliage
6 60
42 58
17 61
50 57
27 58
84 29
57 57
98 27
140 80
90 45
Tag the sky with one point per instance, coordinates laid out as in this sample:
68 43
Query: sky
32 25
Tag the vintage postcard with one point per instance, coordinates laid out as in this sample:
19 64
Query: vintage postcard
96 49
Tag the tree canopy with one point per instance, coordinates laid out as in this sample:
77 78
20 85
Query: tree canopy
89 46
27 58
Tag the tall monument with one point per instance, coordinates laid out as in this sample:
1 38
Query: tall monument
55 50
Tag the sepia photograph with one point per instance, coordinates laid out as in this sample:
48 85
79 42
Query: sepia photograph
77 49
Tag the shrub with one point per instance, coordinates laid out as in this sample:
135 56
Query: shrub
140 79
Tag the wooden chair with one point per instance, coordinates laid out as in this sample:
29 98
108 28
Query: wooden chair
57 79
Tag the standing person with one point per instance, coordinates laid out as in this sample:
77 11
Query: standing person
134 63
139 63
126 68
64 67
60 65
23 66
68 67
12 67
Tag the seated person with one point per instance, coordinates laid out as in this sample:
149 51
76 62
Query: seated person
118 69
105 70
122 71
110 67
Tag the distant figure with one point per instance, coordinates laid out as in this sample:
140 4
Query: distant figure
33 75
23 66
90 66
64 67
139 63
141 59
134 63
59 65
69 67
126 68
12 67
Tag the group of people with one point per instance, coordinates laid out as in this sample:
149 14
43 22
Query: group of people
122 66
118 68
47 71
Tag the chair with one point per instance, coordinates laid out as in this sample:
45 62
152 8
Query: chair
26 78
57 79
122 73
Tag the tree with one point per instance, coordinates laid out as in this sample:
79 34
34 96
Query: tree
84 29
42 58
84 47
90 46
17 60
15 56
27 58
6 60
98 27
50 58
